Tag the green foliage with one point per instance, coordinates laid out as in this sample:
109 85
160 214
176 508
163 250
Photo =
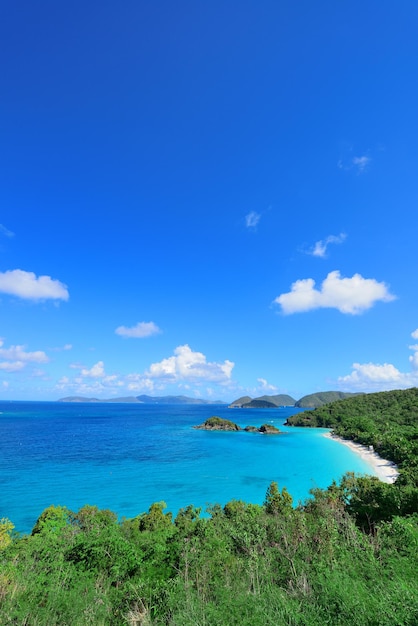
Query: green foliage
6 528
155 519
91 517
243 565
276 502
52 520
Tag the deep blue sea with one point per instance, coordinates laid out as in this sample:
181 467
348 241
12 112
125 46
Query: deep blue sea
126 456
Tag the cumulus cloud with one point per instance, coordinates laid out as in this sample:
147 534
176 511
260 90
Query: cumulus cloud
19 353
348 295
381 377
252 219
28 286
97 371
320 247
16 358
12 366
138 384
142 329
185 369
191 366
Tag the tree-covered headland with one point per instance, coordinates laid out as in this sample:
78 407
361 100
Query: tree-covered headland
345 556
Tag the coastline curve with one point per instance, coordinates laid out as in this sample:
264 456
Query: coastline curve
385 470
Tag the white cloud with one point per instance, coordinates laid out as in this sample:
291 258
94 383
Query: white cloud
191 366
252 219
380 377
265 386
12 366
184 369
18 353
348 295
415 334
413 359
97 371
16 358
142 329
5 231
137 383
361 163
67 346
320 247
30 287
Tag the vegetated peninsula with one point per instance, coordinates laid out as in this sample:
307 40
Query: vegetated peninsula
387 420
311 401
144 399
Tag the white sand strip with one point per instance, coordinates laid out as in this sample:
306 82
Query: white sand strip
385 470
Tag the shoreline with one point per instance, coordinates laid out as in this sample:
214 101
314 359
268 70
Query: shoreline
385 470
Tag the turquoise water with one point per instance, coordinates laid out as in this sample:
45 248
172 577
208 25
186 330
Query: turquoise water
126 456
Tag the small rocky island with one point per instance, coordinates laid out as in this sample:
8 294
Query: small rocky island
220 423
269 429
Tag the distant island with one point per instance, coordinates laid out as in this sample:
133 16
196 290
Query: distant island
144 399
311 401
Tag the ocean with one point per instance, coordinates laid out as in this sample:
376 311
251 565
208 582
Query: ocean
124 457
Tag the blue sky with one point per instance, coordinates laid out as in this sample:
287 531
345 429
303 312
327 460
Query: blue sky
208 198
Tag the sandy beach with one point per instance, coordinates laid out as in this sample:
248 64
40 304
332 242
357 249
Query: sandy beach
385 470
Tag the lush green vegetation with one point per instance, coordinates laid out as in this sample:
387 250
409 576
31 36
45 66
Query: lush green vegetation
243 565
347 556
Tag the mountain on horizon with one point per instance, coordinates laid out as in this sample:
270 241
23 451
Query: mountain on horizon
144 399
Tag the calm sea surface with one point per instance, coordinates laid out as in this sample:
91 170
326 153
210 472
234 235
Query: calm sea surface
126 456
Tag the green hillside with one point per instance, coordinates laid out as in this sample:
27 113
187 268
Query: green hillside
237 404
320 398
263 402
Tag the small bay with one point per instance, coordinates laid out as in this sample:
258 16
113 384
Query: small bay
124 457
